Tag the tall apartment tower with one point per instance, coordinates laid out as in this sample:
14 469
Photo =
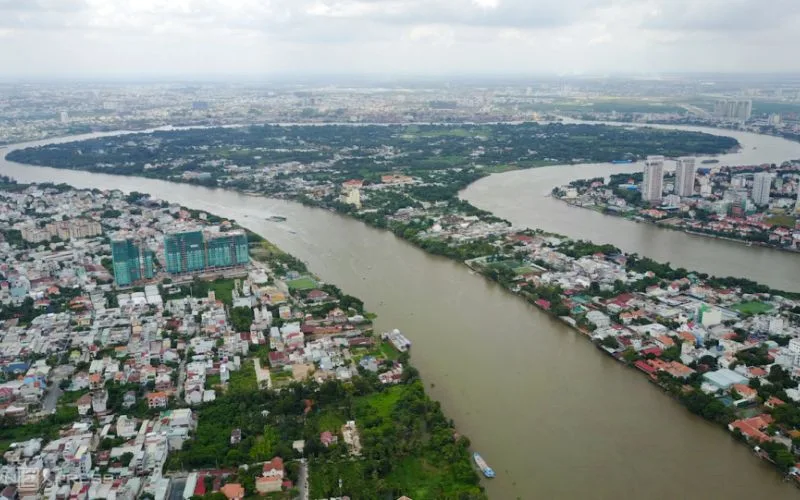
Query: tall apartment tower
684 177
185 252
762 182
131 261
196 251
653 182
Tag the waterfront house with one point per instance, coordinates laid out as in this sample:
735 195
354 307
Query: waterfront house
752 428
747 394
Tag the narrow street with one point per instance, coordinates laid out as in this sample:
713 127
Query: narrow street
302 480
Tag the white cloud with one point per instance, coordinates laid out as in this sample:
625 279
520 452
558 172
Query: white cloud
318 36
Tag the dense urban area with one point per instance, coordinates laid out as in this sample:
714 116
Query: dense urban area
33 111
753 204
152 351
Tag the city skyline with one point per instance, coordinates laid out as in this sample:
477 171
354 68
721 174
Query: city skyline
95 38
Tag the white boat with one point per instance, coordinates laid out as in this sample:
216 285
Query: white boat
483 466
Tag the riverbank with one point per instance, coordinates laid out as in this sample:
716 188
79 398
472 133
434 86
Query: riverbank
661 225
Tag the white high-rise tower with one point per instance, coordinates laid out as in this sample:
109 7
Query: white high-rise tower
684 177
762 182
653 182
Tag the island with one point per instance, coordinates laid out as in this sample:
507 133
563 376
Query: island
726 348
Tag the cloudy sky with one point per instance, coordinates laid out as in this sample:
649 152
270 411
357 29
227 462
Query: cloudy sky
238 37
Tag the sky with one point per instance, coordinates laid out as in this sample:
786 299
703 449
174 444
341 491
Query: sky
74 38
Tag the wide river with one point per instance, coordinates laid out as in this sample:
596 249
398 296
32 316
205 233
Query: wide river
553 416
522 197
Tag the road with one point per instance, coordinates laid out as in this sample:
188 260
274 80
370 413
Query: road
176 487
53 391
302 480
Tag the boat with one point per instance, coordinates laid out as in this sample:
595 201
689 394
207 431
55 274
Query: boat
276 218
482 465
620 162
709 161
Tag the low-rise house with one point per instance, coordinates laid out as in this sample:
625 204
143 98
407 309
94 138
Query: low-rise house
99 401
327 438
273 468
129 399
752 428
747 394
266 485
157 400
84 404
233 491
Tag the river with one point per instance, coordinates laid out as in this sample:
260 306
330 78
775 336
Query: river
522 197
553 416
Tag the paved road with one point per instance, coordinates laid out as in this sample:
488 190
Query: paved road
176 489
302 480
53 391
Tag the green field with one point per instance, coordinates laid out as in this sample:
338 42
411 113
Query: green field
223 290
329 421
781 220
752 307
381 404
499 169
304 283
389 351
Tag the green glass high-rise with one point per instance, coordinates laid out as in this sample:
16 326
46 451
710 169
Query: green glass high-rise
227 250
185 252
195 251
131 262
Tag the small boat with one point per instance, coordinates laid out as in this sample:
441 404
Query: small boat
482 465
277 218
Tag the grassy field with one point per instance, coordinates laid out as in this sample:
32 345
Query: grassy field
223 290
781 220
499 169
264 250
244 380
330 421
304 283
383 403
389 351
752 307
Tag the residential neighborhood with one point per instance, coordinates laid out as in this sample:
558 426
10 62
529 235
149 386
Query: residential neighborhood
107 382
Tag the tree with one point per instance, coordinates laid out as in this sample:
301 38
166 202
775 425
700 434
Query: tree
241 318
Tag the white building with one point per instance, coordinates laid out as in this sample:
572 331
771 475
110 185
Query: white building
762 183
734 109
684 177
653 182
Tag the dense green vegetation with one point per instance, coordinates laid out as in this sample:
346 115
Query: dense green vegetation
424 148
402 430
